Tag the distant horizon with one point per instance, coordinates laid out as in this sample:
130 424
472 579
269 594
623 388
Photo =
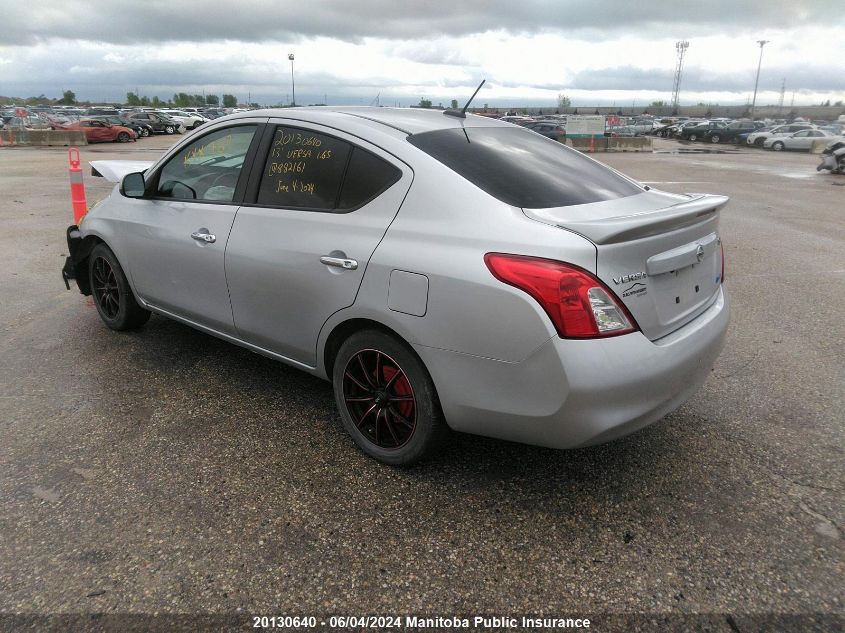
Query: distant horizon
492 104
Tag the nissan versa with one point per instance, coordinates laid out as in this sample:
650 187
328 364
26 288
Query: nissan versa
440 269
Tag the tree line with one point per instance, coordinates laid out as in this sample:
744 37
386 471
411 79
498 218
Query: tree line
182 100
179 100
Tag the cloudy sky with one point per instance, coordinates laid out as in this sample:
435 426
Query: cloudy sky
399 51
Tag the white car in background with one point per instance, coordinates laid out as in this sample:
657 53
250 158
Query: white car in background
802 140
189 120
759 138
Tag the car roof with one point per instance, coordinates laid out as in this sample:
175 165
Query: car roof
405 120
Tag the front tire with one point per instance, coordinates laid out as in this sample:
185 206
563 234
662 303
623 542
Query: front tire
169 129
123 137
386 399
777 146
759 142
112 295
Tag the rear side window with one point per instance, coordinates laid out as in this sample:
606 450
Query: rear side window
366 177
303 170
312 171
523 169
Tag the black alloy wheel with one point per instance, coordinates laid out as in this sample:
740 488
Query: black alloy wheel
104 287
386 398
110 290
379 398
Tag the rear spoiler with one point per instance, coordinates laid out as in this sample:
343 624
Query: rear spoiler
630 227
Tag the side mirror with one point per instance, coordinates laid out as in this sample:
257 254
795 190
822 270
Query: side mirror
133 185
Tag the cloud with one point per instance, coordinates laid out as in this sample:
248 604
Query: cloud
125 22
697 79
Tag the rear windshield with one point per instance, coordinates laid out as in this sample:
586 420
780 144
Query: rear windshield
522 168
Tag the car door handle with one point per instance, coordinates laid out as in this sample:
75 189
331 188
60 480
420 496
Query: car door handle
339 262
202 235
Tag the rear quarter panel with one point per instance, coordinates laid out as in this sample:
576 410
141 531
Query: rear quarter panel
443 230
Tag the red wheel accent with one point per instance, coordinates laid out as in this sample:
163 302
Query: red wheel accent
379 399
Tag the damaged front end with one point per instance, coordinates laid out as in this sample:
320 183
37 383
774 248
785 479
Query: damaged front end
76 264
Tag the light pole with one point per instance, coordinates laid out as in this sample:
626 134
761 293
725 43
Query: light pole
762 43
292 87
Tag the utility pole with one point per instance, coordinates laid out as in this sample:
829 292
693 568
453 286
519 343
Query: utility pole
292 87
780 100
680 50
762 43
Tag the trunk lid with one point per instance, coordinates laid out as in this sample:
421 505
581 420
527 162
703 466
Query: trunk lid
660 253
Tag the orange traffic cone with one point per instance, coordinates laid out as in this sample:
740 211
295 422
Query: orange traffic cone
77 187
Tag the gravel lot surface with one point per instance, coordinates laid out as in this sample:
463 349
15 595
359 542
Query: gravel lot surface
167 471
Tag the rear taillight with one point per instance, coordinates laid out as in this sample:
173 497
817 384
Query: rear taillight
579 305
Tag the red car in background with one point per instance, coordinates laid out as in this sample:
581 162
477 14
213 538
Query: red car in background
100 131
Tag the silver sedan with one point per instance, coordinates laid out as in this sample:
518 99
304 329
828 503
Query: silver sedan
441 271
802 140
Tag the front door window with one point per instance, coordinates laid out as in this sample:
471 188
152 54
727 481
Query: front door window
207 169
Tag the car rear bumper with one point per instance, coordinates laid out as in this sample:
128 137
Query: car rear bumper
571 393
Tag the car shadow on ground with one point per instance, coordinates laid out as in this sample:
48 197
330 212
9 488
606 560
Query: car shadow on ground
268 394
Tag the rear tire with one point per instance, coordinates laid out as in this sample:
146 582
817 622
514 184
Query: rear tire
715 138
386 398
110 290
693 137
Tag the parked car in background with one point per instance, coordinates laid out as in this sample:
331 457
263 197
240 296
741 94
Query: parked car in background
27 123
759 137
549 129
667 131
730 132
140 129
698 131
157 121
625 131
802 140
191 121
59 121
643 126
516 119
348 269
102 132
90 112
